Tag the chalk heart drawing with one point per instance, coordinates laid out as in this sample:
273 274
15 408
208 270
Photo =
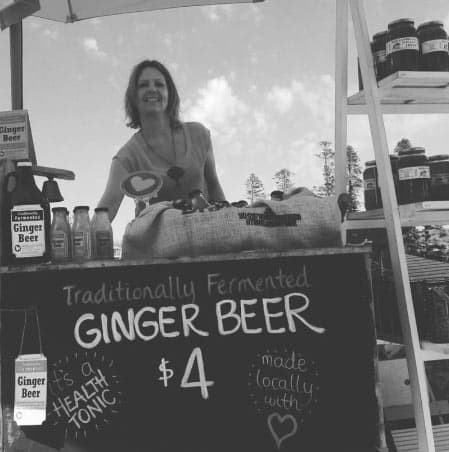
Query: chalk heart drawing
140 184
275 420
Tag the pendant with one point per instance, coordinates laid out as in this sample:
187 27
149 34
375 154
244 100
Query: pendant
175 173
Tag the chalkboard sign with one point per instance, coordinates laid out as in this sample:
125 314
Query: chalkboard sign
258 355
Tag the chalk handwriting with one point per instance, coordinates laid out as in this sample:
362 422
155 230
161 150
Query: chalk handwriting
174 288
217 284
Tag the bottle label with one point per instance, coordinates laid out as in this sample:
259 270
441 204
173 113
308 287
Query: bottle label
414 172
27 231
434 45
380 56
80 244
103 244
369 184
59 246
398 44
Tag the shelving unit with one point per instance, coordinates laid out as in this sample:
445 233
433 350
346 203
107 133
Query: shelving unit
400 93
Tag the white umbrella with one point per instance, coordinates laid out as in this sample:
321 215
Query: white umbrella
74 10
12 11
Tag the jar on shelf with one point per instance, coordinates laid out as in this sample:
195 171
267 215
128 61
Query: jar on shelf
439 177
433 46
380 54
413 176
371 188
402 47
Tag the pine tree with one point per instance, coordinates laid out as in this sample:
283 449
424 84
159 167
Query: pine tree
353 173
327 155
402 144
254 188
283 179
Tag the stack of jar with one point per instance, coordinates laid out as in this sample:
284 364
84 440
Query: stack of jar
405 48
83 241
417 178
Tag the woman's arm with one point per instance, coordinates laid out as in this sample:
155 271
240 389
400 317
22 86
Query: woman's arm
214 190
113 196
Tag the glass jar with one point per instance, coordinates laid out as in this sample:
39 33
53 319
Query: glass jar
60 236
380 54
402 46
413 176
433 46
101 235
81 234
371 189
439 177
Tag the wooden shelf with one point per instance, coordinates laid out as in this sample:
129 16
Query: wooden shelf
418 214
412 92
434 352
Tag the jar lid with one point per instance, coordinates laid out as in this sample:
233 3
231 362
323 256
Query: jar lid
370 163
101 209
431 23
24 163
81 208
380 34
403 21
412 151
439 157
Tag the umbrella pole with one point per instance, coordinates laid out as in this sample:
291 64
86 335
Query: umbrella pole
16 52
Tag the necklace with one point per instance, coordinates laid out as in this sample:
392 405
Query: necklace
174 172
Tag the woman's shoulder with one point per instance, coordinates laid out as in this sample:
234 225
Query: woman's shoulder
197 128
130 147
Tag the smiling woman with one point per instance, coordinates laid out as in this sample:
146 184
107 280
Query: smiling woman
179 153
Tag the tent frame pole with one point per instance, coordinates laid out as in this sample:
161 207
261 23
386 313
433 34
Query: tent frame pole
16 52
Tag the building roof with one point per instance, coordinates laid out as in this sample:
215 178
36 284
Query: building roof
421 269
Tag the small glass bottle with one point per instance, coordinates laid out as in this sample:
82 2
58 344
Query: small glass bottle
60 236
102 239
81 234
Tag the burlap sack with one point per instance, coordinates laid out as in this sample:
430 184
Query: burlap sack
301 221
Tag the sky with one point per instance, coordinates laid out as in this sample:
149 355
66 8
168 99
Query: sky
259 76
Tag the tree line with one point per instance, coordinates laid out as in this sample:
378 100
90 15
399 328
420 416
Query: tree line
283 179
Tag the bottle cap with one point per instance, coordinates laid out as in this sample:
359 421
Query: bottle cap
80 208
59 209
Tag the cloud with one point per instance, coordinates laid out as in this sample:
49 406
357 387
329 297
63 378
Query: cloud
218 108
217 12
316 94
90 45
282 98
52 34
